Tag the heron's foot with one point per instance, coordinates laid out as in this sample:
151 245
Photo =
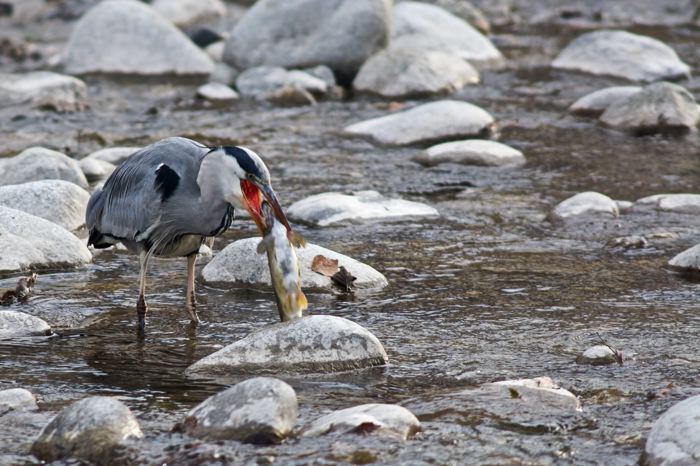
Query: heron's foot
141 309
192 307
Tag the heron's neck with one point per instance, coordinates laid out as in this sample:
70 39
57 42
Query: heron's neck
218 182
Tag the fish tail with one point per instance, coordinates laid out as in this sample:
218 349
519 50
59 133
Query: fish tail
302 302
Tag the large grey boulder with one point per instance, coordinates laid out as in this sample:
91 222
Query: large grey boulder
585 203
39 163
29 242
674 439
88 430
18 324
659 107
113 155
375 418
432 122
258 410
687 260
14 399
340 34
401 72
472 152
57 201
595 103
328 208
43 89
128 37
311 344
184 13
422 26
685 203
623 54
240 263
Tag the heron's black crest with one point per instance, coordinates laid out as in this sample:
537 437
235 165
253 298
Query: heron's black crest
166 182
245 161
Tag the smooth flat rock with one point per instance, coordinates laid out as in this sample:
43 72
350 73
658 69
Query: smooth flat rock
472 152
595 103
674 439
375 418
259 410
95 169
585 203
687 260
113 155
184 13
17 398
18 324
29 242
266 82
422 26
39 163
685 203
432 122
328 208
400 72
43 89
311 344
623 54
539 389
659 107
598 355
88 429
217 92
240 263
57 201
340 34
129 37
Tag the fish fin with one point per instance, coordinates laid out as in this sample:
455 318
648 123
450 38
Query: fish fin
296 239
302 302
264 244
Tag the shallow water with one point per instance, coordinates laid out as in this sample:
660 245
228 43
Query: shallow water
490 290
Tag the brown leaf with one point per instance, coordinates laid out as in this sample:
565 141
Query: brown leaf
343 279
325 266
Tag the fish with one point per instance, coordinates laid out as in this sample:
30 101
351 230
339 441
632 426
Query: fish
279 245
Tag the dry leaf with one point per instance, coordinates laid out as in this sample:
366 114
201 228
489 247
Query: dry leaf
325 266
343 279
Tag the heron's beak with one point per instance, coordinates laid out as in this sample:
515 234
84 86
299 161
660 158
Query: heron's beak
271 198
253 195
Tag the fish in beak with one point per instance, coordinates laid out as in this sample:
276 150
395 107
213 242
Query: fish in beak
253 195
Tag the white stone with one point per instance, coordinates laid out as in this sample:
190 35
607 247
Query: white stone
686 203
17 398
674 439
129 37
595 103
623 54
586 203
597 355
38 163
258 410
375 418
423 26
217 92
432 122
185 13
264 81
216 50
113 155
43 89
688 259
540 387
18 324
29 242
311 344
472 152
95 169
240 262
57 201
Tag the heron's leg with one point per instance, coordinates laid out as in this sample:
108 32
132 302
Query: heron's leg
141 306
191 298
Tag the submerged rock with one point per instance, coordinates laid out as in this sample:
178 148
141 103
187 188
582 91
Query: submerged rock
29 242
240 263
217 92
377 419
432 122
184 13
128 37
267 82
598 355
539 390
15 399
311 344
585 203
95 169
327 208
471 152
685 203
113 155
674 439
595 103
623 54
43 89
340 34
687 260
88 430
18 324
57 201
38 163
259 410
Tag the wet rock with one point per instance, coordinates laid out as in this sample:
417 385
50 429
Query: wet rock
43 89
598 355
88 430
628 242
323 73
259 410
674 439
57 201
466 11
15 399
538 390
340 34
240 262
584 204
432 122
377 419
224 74
264 82
687 260
471 152
205 36
29 242
18 324
311 344
217 92
595 103
423 26
39 163
95 169
113 155
620 53
685 203
185 13
127 37
659 107
401 72
216 50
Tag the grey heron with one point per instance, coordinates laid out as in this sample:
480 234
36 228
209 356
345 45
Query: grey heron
167 198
